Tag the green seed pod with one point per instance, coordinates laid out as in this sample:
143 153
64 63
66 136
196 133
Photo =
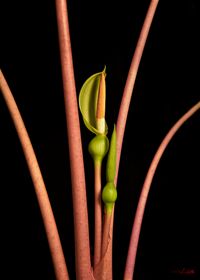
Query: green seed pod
109 196
98 147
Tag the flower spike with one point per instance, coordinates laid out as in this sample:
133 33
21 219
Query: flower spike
92 100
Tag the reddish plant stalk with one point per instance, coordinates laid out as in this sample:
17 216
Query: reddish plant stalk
133 245
124 107
98 214
53 238
106 232
82 246
130 82
123 112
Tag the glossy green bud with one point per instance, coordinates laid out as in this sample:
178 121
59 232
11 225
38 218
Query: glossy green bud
109 196
98 147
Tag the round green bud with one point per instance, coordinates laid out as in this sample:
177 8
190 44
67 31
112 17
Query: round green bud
98 147
109 196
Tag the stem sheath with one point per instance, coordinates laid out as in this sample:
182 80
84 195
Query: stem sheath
106 231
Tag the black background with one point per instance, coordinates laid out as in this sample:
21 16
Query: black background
167 86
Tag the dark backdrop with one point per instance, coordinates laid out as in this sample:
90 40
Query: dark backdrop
167 85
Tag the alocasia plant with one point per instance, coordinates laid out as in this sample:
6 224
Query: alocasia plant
93 107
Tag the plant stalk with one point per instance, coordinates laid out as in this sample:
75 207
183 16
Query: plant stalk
98 213
123 112
82 246
126 97
53 238
130 82
133 245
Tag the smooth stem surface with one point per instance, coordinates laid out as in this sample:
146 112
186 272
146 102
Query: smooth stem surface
130 82
81 229
133 245
106 231
40 189
98 213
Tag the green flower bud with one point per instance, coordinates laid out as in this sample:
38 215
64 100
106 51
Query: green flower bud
109 196
111 161
98 147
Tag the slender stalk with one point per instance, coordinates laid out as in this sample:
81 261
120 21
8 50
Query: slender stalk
100 123
131 257
130 82
82 246
98 213
40 189
126 98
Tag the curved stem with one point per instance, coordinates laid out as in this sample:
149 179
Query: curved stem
130 82
130 263
98 213
82 246
40 189
126 98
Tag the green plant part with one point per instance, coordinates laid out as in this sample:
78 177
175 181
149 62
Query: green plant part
109 196
111 161
92 104
98 148
92 100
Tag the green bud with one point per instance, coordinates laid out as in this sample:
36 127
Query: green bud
109 196
111 161
98 147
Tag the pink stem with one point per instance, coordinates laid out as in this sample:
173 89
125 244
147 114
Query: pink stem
126 98
40 189
130 82
124 107
98 214
82 246
130 263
